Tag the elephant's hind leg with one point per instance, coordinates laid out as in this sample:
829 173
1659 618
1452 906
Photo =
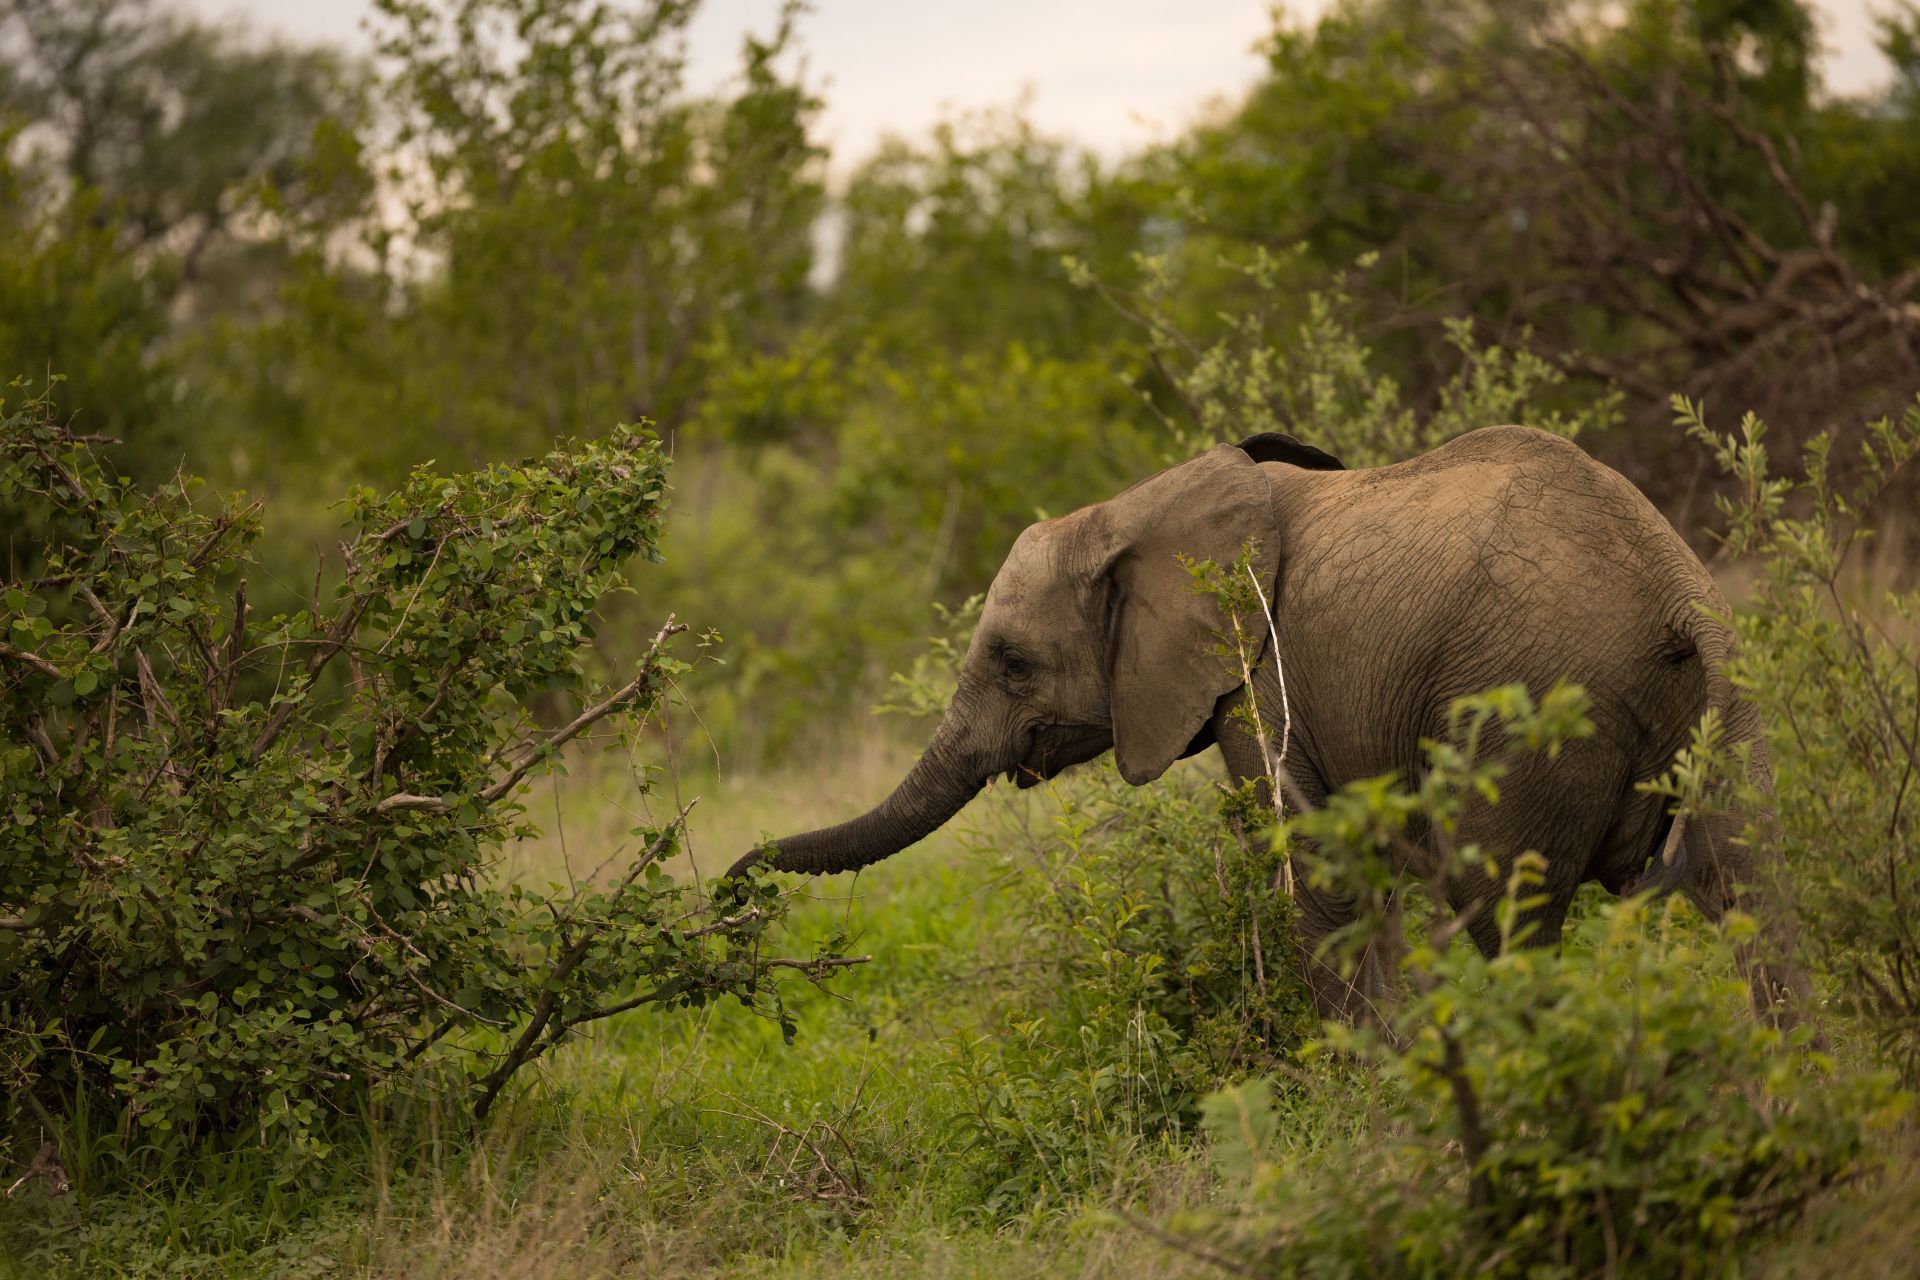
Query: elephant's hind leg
1564 809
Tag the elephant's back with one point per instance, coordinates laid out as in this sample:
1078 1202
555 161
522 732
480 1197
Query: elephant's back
1526 504
1505 555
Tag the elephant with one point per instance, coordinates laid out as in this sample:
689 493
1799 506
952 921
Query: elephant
1506 554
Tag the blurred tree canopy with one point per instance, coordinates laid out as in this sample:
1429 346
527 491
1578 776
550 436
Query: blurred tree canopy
1658 195
564 237
138 147
517 221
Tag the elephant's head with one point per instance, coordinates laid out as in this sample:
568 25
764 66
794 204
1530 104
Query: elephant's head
1091 637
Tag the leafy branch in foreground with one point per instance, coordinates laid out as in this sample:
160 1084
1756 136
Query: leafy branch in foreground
249 860
1836 673
1604 1108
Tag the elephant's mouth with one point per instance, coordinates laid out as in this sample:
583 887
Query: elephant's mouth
1049 759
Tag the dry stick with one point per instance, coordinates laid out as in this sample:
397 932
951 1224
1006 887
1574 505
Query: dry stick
1913 757
591 715
430 1039
1276 766
1192 1248
1283 780
365 943
33 660
425 716
221 527
37 734
413 597
236 641
673 772
850 1187
45 1165
407 945
724 923
811 970
1857 639
112 628
1259 959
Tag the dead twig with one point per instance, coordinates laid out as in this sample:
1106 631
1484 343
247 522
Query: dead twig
44 1167
31 659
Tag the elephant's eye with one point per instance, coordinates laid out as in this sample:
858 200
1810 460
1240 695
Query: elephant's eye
1015 665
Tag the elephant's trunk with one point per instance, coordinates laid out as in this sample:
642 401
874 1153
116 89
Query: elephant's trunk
937 787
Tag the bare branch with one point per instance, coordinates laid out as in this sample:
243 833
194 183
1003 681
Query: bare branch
33 660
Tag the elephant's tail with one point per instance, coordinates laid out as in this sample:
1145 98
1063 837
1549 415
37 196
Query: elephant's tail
1684 838
1726 861
1669 866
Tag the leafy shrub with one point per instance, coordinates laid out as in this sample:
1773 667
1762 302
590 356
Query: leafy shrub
1605 1108
1158 963
247 872
1837 677
1626 1117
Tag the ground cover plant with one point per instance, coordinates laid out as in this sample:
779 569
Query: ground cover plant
1609 1109
1835 665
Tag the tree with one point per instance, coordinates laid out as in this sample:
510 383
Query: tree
956 244
71 301
1659 196
175 122
595 233
138 152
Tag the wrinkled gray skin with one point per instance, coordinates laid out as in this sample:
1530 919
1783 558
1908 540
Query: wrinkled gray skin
1505 555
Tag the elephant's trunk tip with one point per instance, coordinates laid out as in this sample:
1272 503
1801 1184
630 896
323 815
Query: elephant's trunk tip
746 863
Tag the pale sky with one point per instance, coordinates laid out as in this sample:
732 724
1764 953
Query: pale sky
1109 74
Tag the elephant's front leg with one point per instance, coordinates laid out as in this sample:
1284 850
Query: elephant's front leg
1318 914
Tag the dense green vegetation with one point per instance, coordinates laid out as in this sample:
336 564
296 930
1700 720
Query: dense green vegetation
298 871
241 896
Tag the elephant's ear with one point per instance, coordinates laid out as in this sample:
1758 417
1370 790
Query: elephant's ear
1277 446
1166 670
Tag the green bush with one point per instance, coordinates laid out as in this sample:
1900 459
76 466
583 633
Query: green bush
1611 1110
1157 963
1290 357
1836 673
1606 1108
248 860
